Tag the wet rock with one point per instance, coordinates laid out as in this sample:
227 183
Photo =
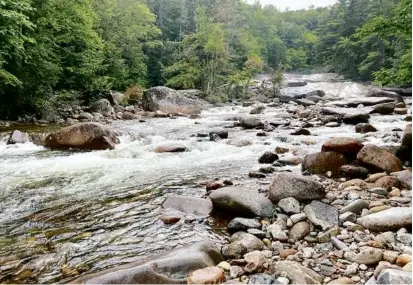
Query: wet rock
167 268
170 101
240 142
251 123
267 170
401 111
249 241
209 275
289 205
301 132
384 108
333 125
242 201
171 149
101 106
189 205
263 279
354 170
405 150
379 158
319 93
222 134
349 147
256 175
367 256
365 128
321 214
355 207
356 118
305 102
257 109
38 138
392 276
18 137
243 224
387 220
268 158
285 185
297 84
299 231
83 136
213 186
323 162
297 273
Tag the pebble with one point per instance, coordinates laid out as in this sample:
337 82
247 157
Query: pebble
298 218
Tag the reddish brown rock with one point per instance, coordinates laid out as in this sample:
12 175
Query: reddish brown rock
209 275
347 146
379 158
323 162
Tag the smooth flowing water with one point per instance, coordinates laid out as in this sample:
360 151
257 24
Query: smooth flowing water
66 213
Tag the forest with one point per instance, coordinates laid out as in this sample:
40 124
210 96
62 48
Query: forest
60 51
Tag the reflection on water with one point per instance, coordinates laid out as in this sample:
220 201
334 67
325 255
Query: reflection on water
66 213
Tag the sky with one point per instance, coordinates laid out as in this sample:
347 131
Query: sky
295 4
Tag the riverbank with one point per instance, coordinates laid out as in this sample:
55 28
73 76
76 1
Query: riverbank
66 214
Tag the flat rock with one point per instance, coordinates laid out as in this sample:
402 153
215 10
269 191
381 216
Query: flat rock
344 145
322 215
242 201
285 185
323 162
167 268
297 273
171 148
379 158
189 205
388 220
392 276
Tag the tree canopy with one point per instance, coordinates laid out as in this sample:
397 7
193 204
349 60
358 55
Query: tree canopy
50 46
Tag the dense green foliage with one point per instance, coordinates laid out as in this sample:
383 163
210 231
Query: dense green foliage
49 46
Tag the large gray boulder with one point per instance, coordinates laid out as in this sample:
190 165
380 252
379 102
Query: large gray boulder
101 106
170 101
285 185
83 136
169 268
391 219
242 201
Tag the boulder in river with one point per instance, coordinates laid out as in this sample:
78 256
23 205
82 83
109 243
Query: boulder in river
297 84
171 101
251 123
384 108
356 118
379 158
171 148
391 219
83 136
242 201
268 157
324 162
18 137
365 128
170 268
257 109
349 147
319 93
101 106
405 150
189 205
285 185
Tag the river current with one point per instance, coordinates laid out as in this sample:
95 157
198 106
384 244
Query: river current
63 214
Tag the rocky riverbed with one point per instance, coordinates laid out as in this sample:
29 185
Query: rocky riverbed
260 192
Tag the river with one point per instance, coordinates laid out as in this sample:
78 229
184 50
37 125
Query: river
63 214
